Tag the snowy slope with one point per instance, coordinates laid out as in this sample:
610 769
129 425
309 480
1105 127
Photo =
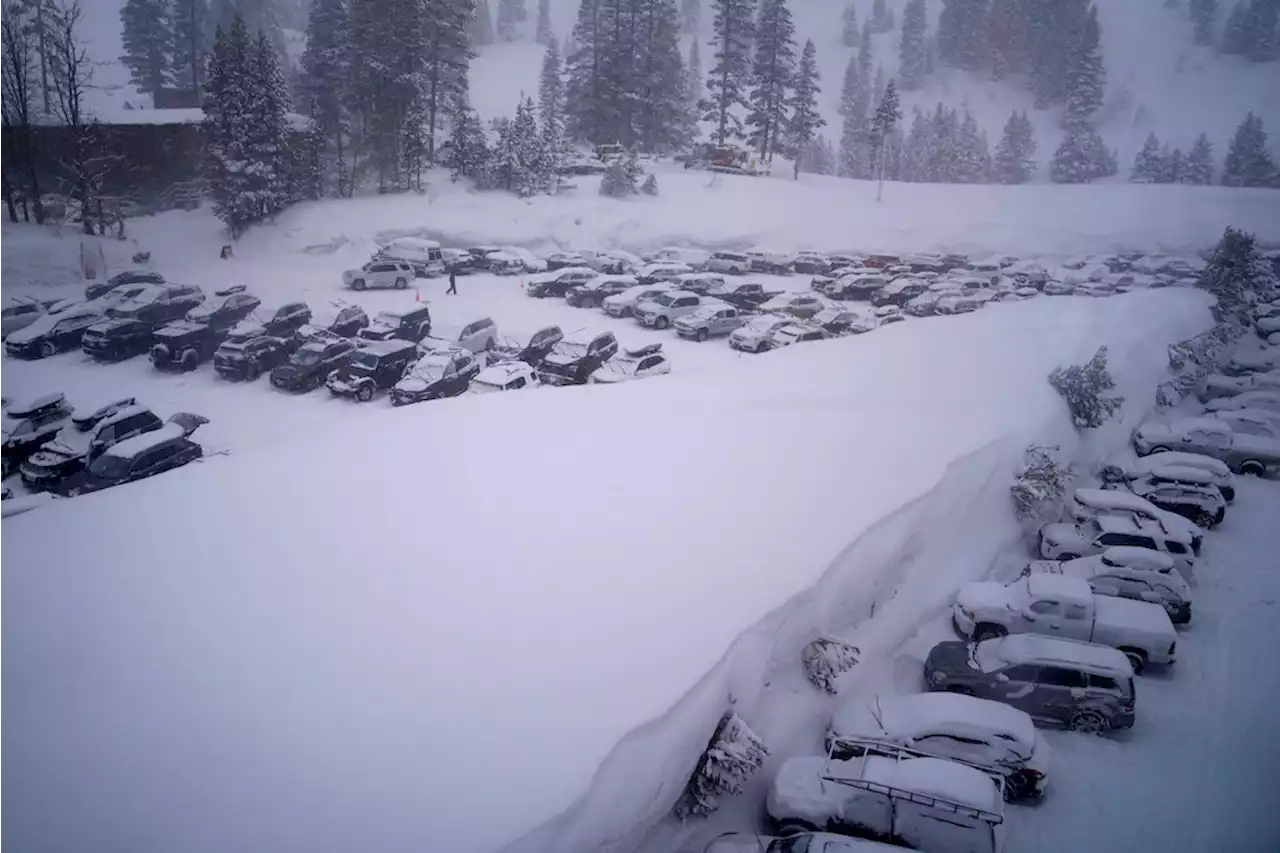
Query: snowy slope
431 633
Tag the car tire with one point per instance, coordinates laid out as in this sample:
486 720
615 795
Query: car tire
1204 519
1253 467
1016 788
48 349
661 323
358 284
1137 659
190 360
160 356
988 631
1089 722
702 335
1062 558
795 827
1159 448
365 393
252 372
401 284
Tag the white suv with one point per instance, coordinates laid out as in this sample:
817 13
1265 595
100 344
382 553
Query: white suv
665 308
624 304
395 274
732 263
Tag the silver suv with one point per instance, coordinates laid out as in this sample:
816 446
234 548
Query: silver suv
665 308
1083 686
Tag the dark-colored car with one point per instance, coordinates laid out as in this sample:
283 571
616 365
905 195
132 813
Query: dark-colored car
573 360
406 324
458 261
29 425
287 319
812 264
1081 686
373 367
249 359
745 296
560 260
559 282
441 373
52 333
85 439
595 292
349 321
899 291
129 328
225 309
116 339
144 455
531 353
94 289
183 346
307 368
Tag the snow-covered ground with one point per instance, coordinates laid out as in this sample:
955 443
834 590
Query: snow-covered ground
434 628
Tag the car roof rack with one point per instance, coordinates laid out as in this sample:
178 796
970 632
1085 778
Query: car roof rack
641 352
859 747
227 291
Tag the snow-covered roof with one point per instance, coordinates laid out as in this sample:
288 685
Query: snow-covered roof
503 372
131 447
1113 499
901 718
1017 648
1136 558
1178 457
1059 587
381 348
44 401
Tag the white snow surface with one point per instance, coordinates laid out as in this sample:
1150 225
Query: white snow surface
323 670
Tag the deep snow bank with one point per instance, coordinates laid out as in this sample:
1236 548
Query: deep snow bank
431 632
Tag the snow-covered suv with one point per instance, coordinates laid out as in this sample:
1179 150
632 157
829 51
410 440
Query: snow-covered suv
1137 573
1090 503
1066 541
709 321
757 335
379 273
1244 454
624 304
730 263
665 308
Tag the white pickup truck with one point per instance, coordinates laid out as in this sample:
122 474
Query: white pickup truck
1060 606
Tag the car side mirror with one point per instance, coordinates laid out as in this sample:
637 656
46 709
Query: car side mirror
1000 676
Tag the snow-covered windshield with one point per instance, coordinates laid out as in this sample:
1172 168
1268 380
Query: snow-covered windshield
572 350
365 360
432 367
307 356
109 467
386 318
665 299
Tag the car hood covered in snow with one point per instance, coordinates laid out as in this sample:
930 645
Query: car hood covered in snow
983 596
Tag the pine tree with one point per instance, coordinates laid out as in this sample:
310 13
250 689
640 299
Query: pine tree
1146 165
693 80
772 71
973 164
1204 15
1198 168
1013 163
480 25
267 148
1237 275
584 89
445 61
727 83
148 43
650 185
881 20
1172 166
544 22
509 17
227 127
917 153
849 26
864 56
690 16
660 120
1053 29
1082 157
551 86
532 175
619 179
806 120
1263 19
1087 78
854 103
325 64
1249 163
1007 38
962 34
944 151
467 153
912 52
192 41
883 123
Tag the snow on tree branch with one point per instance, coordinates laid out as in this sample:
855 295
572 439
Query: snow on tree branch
732 756
1083 387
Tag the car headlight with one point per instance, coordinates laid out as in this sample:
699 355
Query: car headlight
937 677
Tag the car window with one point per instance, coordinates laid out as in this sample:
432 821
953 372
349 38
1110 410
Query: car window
1022 672
1076 611
1045 607
1176 547
1062 677
516 383
1102 682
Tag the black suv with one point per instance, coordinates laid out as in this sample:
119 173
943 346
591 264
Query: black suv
29 425
85 439
532 353
144 455
744 295
227 308
375 366
129 329
288 319
348 322
407 324
441 373
307 368
100 288
248 359
572 361
187 343
593 293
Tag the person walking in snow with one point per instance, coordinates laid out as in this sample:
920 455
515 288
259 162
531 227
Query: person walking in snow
453 282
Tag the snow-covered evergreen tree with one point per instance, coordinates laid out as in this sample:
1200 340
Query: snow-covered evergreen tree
1040 487
619 180
147 37
806 120
1237 275
584 89
734 754
650 185
533 175
864 58
772 72
227 130
551 86
1236 37
1086 84
510 14
1084 388
1053 46
325 65
730 76
480 25
881 18
962 34
819 157
826 659
661 120
917 153
1198 168
1146 165
1082 157
443 77
849 36
1249 162
192 41
690 16
973 160
467 155
1007 38
544 35
1204 16
268 144
912 52
855 100
944 151
693 81
1013 162
1170 165
1250 30
887 115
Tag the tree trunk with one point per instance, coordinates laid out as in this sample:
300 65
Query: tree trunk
10 207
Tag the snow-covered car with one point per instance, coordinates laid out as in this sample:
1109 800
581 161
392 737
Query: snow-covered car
559 282
926 803
729 263
560 260
899 291
20 314
654 273
96 289
29 424
806 842
614 262
922 305
503 376
1090 503
308 368
757 334
1085 687
1027 272
845 321
249 358
83 440
960 303
694 258
978 732
1263 399
745 295
50 334
796 333
1243 454
856 286
513 260
665 308
477 336
424 256
638 363
574 359
1259 422
1257 361
459 261
595 292
624 304
700 283
145 455
373 367
771 261
1057 287
710 321
1062 606
1218 385
442 373
386 273
1217 469
889 314
407 324
1125 572
1062 540
812 263
802 305
531 351
227 307
1182 490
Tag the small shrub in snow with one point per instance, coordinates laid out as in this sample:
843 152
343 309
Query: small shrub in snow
732 756
826 659
1082 386
1040 485
650 185
618 180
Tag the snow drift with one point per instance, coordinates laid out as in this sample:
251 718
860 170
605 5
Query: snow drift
444 629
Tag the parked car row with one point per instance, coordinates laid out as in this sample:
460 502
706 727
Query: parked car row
1060 645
